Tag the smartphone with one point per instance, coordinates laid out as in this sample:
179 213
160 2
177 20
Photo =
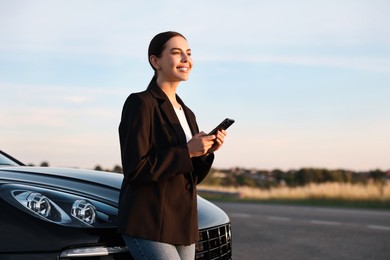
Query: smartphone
222 126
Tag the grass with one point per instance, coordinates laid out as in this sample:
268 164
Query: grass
325 194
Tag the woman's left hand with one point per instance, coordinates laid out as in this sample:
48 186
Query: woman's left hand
218 141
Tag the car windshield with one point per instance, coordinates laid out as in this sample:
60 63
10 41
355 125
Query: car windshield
7 160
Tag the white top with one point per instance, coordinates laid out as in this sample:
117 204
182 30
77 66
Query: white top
183 122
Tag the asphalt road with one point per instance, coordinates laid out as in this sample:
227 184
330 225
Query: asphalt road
298 232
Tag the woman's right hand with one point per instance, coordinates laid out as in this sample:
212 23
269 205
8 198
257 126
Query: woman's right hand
200 144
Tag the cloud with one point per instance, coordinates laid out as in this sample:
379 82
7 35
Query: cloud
125 28
373 64
77 99
70 27
60 92
48 106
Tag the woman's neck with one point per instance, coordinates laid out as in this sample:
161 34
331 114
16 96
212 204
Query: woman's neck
169 89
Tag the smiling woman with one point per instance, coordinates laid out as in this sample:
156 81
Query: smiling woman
164 157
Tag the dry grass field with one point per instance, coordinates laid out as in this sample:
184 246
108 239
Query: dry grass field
314 192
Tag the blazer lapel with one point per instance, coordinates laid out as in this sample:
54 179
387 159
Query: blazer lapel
167 110
189 116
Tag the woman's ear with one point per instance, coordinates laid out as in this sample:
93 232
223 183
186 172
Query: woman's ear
154 61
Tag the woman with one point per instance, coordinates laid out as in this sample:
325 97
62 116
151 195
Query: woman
164 156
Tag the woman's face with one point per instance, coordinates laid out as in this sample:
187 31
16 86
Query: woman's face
175 62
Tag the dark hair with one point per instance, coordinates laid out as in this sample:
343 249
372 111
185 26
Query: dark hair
157 46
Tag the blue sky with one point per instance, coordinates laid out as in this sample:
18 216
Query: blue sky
308 82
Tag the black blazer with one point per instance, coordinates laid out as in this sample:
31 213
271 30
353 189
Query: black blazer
158 196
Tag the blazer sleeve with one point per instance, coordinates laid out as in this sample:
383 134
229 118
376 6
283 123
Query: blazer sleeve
142 161
202 166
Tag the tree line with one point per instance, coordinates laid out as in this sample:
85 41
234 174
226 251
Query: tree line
292 178
274 178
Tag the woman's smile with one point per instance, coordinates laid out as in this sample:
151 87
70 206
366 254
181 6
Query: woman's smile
183 69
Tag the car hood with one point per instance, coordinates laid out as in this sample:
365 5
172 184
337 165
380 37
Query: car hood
104 186
109 179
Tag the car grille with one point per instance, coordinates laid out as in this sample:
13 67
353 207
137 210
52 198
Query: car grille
215 243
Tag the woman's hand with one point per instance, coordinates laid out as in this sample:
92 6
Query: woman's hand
202 143
218 141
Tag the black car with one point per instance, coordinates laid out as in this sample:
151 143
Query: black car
58 213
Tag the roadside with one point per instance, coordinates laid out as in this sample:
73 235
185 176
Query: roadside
325 194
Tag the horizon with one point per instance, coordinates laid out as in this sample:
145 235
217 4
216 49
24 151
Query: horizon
112 169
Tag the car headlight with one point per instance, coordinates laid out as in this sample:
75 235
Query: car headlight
38 203
84 211
59 207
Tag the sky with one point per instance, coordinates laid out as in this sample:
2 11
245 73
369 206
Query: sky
307 82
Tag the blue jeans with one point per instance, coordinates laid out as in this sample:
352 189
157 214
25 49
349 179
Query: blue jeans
153 250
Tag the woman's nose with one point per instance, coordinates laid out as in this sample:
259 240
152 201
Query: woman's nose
184 57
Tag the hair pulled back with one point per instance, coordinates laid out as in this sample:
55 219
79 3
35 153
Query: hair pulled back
157 46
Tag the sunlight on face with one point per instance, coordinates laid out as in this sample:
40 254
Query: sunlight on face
175 63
